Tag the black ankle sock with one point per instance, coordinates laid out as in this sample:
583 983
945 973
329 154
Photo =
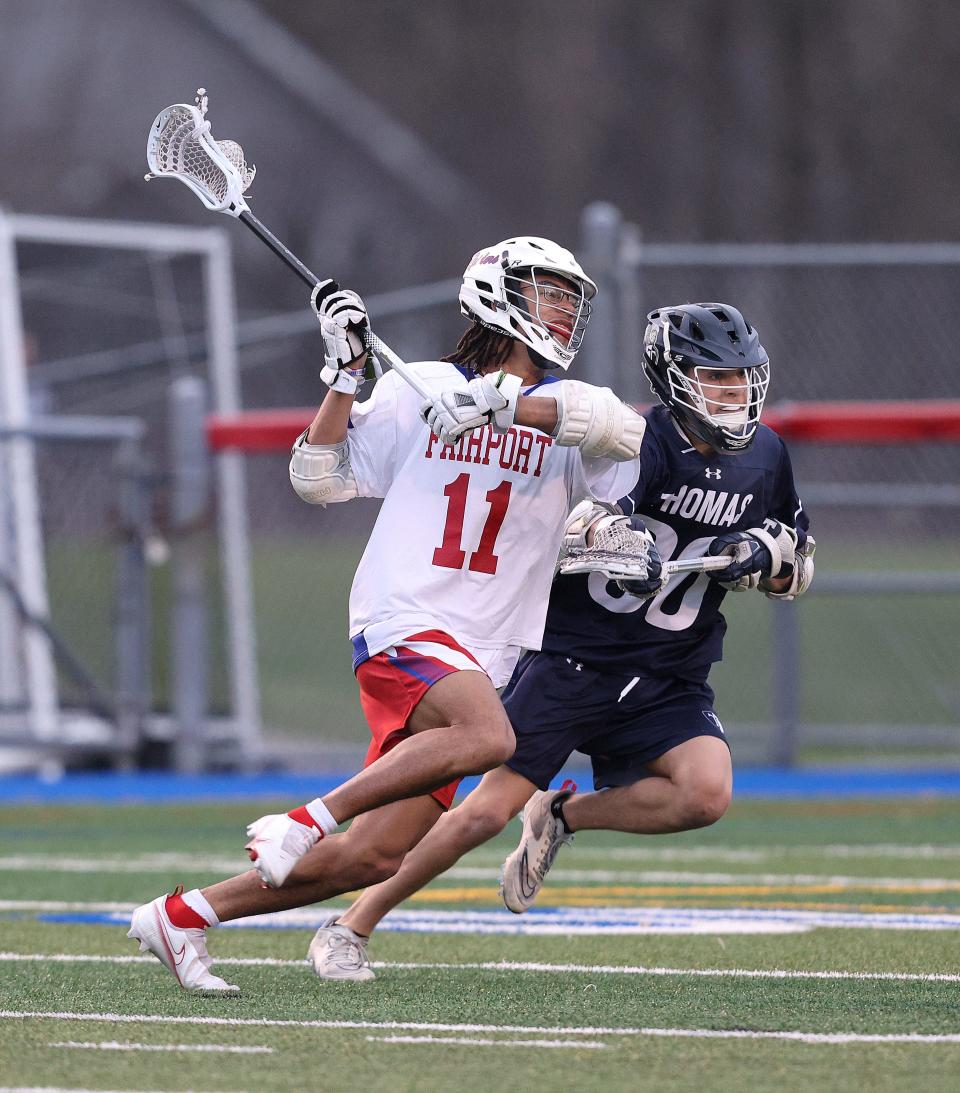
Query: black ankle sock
556 808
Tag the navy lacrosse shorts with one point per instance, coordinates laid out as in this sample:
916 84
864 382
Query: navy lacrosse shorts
557 706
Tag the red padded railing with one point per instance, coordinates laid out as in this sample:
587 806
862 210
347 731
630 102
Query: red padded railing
906 422
867 422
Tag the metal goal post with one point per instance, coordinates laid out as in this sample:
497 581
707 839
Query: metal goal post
21 532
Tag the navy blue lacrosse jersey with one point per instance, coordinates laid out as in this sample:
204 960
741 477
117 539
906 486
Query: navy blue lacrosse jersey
686 499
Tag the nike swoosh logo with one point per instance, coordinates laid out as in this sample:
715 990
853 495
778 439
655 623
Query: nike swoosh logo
525 885
176 955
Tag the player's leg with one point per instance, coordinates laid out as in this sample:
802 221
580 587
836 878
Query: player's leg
544 700
689 786
173 927
369 851
433 720
479 818
661 763
459 727
338 950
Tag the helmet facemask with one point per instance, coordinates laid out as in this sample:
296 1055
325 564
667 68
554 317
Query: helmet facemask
731 424
548 312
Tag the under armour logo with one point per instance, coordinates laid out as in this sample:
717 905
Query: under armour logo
713 474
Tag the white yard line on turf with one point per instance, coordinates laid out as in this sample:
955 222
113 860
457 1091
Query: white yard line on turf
594 876
65 1089
163 864
116 1045
536 1030
56 905
143 863
650 876
514 966
476 1041
645 851
485 860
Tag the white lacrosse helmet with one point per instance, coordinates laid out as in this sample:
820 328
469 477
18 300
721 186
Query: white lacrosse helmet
504 289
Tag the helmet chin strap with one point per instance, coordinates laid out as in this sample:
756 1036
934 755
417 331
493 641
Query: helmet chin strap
539 361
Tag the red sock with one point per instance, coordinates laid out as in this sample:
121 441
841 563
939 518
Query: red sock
186 918
302 816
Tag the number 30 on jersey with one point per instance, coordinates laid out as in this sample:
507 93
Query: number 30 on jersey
685 613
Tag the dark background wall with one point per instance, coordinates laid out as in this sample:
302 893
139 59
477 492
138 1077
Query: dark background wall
701 119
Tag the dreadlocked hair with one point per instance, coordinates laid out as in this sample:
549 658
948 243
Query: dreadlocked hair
480 347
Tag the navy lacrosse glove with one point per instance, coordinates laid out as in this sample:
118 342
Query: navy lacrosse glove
755 555
655 579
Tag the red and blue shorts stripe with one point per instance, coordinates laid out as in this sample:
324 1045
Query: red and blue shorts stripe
393 681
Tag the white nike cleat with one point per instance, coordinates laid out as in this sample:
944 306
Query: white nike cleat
336 952
543 835
182 951
276 844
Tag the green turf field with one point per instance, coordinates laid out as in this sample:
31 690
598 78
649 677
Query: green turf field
847 1007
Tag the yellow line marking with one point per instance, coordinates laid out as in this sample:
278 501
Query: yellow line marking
672 891
592 897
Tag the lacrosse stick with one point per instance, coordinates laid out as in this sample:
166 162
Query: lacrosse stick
704 564
621 570
622 555
180 145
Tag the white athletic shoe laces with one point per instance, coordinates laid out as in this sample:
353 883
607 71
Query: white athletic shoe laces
276 844
336 952
543 835
183 952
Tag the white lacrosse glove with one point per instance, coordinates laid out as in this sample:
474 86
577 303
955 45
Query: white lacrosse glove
343 324
621 548
487 400
755 555
496 395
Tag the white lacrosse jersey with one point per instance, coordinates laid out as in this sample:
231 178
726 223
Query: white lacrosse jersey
467 537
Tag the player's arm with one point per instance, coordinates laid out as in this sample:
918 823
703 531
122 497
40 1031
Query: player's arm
797 582
777 557
797 574
590 418
320 469
771 558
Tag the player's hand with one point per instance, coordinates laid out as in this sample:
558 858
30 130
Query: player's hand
450 414
597 540
487 400
496 395
343 325
646 587
755 555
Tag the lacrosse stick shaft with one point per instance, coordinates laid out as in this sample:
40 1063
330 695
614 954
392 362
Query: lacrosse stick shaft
696 565
284 253
263 233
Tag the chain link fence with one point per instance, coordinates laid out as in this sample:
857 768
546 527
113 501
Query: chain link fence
872 672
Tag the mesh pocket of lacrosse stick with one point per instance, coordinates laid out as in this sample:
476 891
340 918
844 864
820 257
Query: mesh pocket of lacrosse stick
180 146
617 550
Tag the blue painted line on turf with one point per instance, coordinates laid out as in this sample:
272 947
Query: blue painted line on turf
162 787
578 920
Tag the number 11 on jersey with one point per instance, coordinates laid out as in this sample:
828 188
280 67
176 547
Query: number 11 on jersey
450 554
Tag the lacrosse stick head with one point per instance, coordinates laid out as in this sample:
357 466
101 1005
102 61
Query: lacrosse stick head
181 146
617 551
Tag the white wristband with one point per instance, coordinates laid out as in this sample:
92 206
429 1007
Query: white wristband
343 380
